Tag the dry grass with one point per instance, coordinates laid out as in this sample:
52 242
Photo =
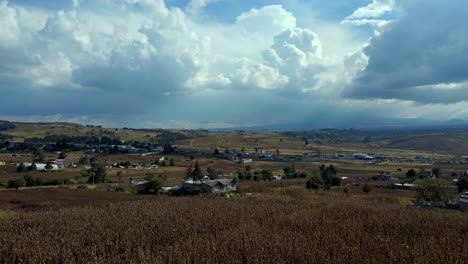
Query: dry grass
298 227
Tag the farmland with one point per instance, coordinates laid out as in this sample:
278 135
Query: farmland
63 216
297 227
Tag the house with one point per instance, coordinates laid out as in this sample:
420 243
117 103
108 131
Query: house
463 202
362 156
426 175
225 185
2 163
61 163
405 186
244 161
40 166
385 176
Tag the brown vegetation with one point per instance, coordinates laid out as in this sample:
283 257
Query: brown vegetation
298 227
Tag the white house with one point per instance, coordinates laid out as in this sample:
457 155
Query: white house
244 161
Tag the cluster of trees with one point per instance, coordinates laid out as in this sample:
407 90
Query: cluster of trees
153 184
411 175
196 172
5 136
259 175
97 173
292 173
30 181
4 126
62 141
326 180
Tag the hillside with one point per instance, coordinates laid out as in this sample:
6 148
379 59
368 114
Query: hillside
455 144
20 132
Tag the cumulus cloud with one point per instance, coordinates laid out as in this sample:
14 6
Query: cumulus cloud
421 57
144 59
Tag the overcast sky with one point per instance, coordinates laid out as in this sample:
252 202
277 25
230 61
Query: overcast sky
225 63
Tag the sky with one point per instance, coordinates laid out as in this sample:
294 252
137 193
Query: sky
233 63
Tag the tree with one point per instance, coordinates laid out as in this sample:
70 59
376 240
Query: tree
432 193
216 152
197 173
168 149
240 175
256 176
277 152
411 173
188 171
33 167
152 186
97 174
84 160
462 185
267 175
171 163
366 188
39 154
21 168
314 183
248 176
212 173
226 150
248 168
336 181
62 155
436 172
328 175
31 181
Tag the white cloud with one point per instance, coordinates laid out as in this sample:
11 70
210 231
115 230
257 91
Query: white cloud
266 21
371 14
373 10
137 56
194 7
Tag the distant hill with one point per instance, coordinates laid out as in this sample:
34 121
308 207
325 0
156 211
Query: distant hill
456 144
26 131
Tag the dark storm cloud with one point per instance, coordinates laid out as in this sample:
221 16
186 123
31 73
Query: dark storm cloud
421 57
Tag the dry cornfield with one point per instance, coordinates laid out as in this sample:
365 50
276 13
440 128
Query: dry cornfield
297 227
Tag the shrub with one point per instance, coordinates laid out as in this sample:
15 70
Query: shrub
151 187
314 183
336 181
366 188
432 193
15 184
119 189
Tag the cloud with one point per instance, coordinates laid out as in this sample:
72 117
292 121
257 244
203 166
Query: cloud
149 62
194 7
421 57
371 14
373 10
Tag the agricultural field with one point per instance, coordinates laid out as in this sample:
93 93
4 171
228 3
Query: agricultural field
294 226
67 218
